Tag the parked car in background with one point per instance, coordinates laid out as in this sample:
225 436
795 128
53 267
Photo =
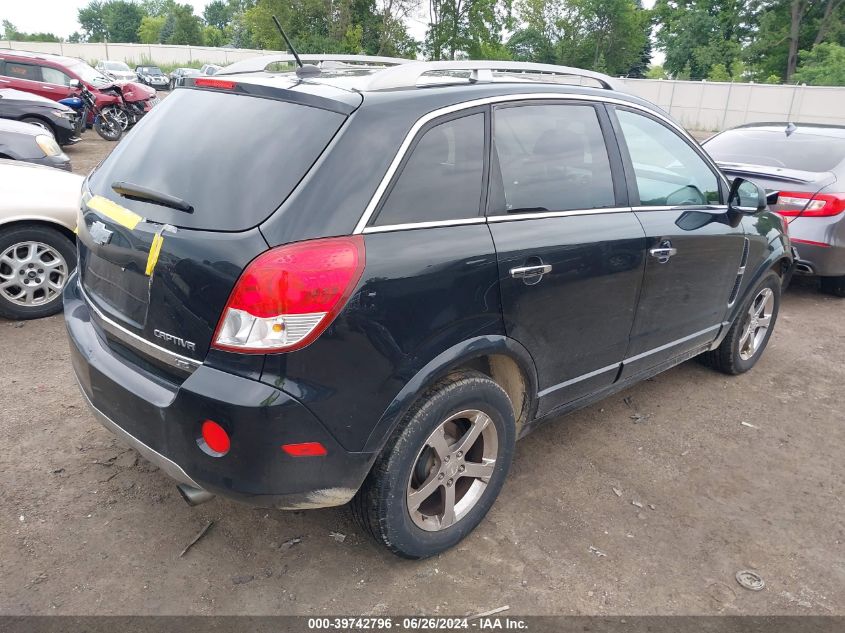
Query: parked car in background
38 210
61 121
178 75
51 76
118 71
805 164
209 69
152 77
31 144
505 251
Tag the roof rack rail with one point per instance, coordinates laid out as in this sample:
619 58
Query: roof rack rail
261 62
407 75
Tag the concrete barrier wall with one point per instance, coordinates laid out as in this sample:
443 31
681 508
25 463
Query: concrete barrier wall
698 105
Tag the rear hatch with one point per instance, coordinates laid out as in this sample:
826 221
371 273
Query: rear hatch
170 217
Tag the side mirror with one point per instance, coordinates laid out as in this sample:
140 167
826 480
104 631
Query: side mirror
73 83
746 197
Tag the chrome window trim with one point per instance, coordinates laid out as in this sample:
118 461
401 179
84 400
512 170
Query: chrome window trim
681 207
173 359
556 214
423 225
377 196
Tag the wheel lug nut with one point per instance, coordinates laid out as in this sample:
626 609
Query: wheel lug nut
440 477
461 468
450 482
460 453
446 459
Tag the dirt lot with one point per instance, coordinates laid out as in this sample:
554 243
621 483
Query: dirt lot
88 527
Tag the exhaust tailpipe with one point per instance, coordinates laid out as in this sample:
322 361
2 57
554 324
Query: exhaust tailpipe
194 496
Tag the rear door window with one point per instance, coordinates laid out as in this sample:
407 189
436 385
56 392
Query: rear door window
442 178
551 158
234 158
30 72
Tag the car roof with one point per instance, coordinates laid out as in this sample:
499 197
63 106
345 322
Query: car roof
57 59
423 92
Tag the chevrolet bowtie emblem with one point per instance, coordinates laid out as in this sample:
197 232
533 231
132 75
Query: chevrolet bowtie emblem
99 233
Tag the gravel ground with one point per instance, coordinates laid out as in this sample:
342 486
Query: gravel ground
89 527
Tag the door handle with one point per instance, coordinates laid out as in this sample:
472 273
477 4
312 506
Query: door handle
663 252
530 271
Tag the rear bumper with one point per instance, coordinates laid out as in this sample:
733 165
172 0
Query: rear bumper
162 421
818 259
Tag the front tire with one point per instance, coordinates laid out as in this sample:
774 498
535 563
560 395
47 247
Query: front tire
750 332
40 123
833 286
442 468
35 264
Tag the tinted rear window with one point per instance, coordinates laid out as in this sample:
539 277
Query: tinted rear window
234 158
805 152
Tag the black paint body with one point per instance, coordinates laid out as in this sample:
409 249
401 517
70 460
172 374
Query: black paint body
431 300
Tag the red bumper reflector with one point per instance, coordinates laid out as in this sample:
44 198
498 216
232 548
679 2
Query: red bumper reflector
810 242
215 437
306 449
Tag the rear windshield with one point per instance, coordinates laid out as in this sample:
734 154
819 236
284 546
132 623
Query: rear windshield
233 158
802 151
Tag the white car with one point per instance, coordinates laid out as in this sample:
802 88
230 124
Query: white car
118 71
38 210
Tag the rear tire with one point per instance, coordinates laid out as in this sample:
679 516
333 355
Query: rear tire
424 493
750 332
833 286
38 260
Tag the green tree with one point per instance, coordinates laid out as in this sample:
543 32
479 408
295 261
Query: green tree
468 27
187 27
656 72
10 32
824 65
212 36
122 20
150 30
218 14
785 27
697 34
718 72
92 21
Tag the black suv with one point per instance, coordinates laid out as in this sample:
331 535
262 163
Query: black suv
373 277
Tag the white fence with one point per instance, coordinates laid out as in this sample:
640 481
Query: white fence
698 105
704 105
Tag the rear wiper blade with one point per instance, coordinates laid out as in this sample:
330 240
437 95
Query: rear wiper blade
144 194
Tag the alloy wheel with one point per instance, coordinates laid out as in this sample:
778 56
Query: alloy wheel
32 274
452 470
758 321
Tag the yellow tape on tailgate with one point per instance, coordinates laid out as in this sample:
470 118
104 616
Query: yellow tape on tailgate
114 211
155 251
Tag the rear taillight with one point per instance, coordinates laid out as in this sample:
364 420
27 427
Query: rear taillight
289 295
808 205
